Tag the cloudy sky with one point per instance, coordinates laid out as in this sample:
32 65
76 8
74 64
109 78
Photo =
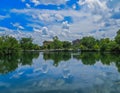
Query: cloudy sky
67 19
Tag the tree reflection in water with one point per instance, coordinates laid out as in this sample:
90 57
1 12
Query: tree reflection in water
90 58
57 57
10 62
87 58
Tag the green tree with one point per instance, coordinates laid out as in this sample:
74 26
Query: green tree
66 45
11 43
113 46
57 43
104 44
88 42
96 47
117 38
8 45
26 43
35 47
1 43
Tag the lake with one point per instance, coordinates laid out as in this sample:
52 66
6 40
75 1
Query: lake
60 72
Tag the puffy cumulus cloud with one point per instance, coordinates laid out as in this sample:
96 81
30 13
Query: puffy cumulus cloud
43 16
46 2
93 3
95 17
94 6
83 22
65 26
48 17
44 31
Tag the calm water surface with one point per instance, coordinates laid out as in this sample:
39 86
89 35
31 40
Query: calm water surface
60 72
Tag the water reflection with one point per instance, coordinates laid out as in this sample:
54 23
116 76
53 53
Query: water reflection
89 58
60 72
105 58
10 62
57 57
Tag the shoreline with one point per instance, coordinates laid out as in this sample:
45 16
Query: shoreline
57 50
69 50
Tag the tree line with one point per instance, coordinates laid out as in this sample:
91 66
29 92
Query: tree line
9 44
87 43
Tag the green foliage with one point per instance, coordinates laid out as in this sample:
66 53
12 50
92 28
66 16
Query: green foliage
66 45
117 39
96 47
9 45
57 43
104 44
26 43
88 42
82 47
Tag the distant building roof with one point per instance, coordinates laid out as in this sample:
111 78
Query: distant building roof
77 41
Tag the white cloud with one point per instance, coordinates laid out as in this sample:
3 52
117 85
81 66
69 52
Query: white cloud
23 0
59 17
28 5
44 31
74 6
83 22
46 2
3 17
41 15
93 16
65 26
92 4
17 25
36 2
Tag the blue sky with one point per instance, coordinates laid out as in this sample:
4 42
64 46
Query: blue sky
67 19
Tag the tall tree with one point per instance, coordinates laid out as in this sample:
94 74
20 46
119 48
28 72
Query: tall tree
57 43
26 43
88 42
117 38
